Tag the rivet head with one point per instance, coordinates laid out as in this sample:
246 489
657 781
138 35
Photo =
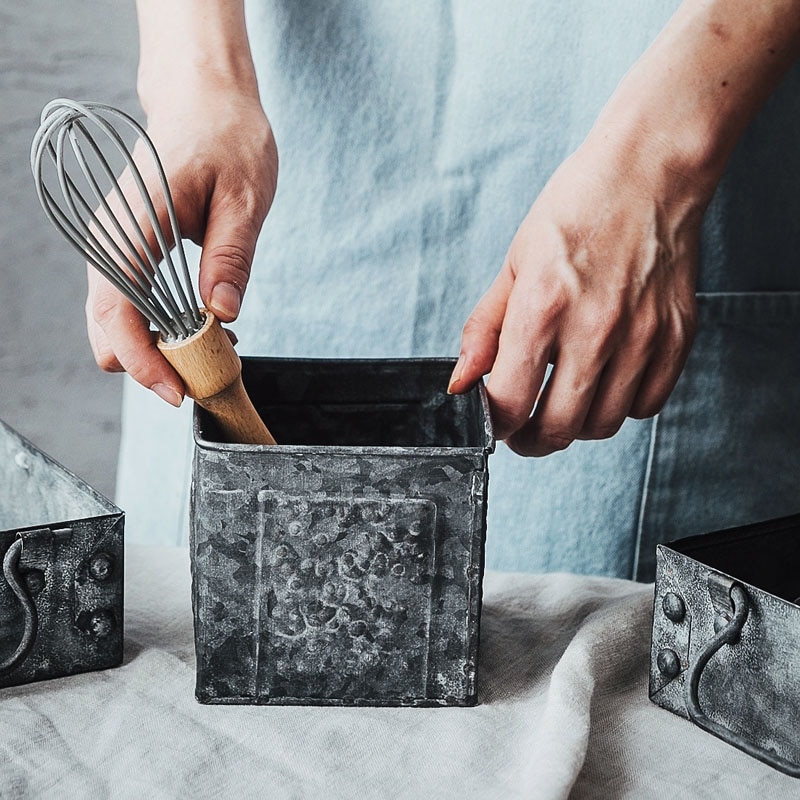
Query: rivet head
34 580
101 623
101 566
673 606
668 663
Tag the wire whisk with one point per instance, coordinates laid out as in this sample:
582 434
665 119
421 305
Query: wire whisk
76 155
65 138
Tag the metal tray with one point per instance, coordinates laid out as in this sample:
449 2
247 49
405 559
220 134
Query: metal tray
342 566
726 637
61 546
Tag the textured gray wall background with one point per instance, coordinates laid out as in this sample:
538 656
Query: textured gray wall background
50 388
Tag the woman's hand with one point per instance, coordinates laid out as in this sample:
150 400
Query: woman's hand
600 278
599 281
198 88
222 164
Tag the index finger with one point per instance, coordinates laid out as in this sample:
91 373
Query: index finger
121 339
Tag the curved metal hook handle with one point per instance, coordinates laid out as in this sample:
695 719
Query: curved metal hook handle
17 584
729 635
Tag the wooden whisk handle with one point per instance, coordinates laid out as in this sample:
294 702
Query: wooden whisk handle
212 372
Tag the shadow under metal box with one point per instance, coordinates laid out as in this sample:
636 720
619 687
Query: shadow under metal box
342 566
61 546
726 637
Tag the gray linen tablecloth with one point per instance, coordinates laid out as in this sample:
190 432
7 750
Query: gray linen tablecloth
563 713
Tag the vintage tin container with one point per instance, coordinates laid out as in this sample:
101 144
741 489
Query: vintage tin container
342 566
726 637
61 591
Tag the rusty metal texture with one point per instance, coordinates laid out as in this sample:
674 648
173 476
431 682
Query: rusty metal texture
342 566
726 637
61 591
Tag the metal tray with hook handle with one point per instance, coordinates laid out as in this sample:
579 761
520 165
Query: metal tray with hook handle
726 637
61 589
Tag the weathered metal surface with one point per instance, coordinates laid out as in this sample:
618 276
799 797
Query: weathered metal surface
61 592
731 660
344 565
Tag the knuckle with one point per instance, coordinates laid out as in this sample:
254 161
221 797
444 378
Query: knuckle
683 329
103 309
233 261
507 416
600 430
546 309
107 361
536 443
602 325
269 171
104 356
649 329
478 325
646 408
521 446
526 327
254 202
553 441
474 326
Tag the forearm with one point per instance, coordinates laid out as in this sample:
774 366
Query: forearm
688 99
191 44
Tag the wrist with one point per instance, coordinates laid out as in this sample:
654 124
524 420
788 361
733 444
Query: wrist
658 155
682 107
192 48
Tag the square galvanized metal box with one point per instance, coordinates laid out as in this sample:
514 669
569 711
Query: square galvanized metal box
61 545
726 637
344 565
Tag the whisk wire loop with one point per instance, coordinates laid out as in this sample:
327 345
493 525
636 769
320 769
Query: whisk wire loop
89 247
118 247
150 208
147 275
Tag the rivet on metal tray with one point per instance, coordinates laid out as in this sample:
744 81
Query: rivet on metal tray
96 624
673 606
34 580
668 662
101 566
101 623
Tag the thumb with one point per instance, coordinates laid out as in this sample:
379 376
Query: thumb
228 249
481 334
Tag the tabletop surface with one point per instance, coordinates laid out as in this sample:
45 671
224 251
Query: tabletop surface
563 712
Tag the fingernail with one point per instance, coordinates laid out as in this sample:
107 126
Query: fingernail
226 300
168 394
456 376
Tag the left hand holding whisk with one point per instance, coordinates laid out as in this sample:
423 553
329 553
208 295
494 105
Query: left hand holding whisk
198 89
221 163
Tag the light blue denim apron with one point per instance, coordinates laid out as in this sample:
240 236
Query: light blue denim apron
413 139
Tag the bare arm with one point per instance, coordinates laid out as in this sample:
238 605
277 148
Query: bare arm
198 87
600 277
